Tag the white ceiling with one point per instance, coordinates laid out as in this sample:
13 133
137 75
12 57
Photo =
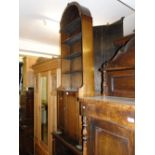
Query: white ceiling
39 20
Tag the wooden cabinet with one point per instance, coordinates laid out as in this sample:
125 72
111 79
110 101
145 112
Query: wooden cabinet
104 49
108 125
26 123
119 72
47 79
77 75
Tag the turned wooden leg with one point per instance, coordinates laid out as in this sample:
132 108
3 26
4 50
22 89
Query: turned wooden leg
84 133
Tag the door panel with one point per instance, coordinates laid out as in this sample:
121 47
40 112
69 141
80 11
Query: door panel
72 117
68 114
107 138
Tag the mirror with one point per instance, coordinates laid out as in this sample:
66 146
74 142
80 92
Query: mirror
44 110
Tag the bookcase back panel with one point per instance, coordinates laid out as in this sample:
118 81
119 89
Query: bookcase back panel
76 80
67 83
65 66
76 47
76 65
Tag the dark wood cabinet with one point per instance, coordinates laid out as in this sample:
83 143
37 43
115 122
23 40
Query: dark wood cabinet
108 125
26 123
119 72
26 139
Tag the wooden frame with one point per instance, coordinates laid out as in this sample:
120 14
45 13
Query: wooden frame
51 69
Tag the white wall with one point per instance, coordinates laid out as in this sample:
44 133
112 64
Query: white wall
129 24
26 45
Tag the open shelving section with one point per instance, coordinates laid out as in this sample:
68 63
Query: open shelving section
76 47
71 52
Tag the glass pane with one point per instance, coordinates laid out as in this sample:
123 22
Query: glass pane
44 110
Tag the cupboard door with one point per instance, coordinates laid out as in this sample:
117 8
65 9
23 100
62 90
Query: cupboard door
107 138
72 115
68 114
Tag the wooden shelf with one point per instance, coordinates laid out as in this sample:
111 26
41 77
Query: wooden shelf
73 39
73 26
73 55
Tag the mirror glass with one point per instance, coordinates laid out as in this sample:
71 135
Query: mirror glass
44 110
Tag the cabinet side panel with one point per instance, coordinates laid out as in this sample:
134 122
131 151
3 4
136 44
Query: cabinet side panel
87 48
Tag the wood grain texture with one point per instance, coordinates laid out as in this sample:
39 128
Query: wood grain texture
110 125
40 149
119 72
68 114
110 138
87 59
46 65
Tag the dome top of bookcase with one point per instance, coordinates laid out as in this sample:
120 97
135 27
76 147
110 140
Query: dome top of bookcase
73 10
